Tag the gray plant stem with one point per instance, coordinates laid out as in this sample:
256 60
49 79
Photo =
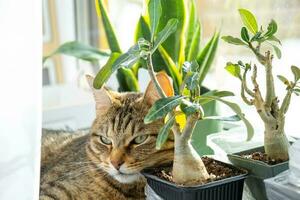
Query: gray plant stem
275 141
188 168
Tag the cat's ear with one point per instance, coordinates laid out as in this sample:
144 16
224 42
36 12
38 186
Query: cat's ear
102 96
151 94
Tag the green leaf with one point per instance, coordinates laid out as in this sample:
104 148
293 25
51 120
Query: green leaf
207 56
195 44
190 108
273 38
238 111
109 31
215 93
233 40
272 29
165 33
249 20
192 80
233 69
105 72
190 66
296 91
283 79
80 51
164 133
233 118
128 59
277 51
130 79
296 72
257 37
154 9
244 34
161 108
190 31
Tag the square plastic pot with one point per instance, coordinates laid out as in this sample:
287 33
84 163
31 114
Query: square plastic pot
258 171
226 189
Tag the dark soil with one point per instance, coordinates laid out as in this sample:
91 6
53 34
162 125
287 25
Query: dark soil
262 157
216 169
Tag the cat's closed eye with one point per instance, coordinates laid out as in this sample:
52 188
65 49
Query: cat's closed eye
105 140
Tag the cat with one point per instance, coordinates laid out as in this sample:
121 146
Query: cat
106 162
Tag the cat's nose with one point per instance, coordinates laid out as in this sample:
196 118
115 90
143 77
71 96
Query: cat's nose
117 163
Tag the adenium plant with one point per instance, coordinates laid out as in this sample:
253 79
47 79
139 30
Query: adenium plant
188 167
270 109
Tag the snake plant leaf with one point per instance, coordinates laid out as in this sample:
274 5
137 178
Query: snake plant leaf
233 40
207 55
249 20
80 51
190 31
174 44
171 69
154 10
142 30
233 118
108 28
162 107
112 40
106 71
233 69
130 79
296 72
277 51
164 133
165 33
272 29
195 44
234 107
244 34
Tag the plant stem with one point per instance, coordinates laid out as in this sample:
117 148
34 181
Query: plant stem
153 77
275 142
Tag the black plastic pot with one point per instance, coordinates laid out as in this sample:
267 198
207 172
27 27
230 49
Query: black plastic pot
225 189
258 171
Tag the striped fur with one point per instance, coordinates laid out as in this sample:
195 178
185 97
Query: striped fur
79 166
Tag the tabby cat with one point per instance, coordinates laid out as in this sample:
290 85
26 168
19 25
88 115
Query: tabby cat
106 162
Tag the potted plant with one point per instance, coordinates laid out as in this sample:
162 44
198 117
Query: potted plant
190 177
271 159
181 46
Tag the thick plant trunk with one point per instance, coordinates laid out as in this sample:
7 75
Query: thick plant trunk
276 142
188 167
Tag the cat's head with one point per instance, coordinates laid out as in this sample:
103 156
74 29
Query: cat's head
120 143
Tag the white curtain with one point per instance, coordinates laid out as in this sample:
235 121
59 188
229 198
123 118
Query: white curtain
20 105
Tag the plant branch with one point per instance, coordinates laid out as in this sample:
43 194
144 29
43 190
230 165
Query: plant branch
189 127
153 77
286 101
244 84
247 101
270 90
258 100
176 130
